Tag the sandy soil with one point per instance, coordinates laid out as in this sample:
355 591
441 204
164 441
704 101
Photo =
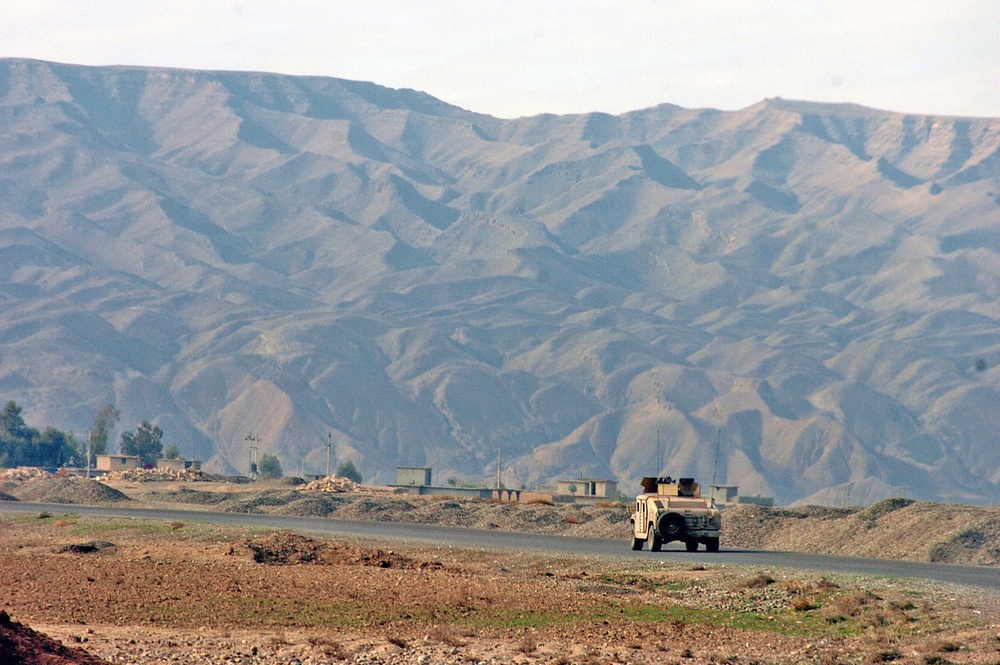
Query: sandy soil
130 591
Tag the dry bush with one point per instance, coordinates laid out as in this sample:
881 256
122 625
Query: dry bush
540 502
176 525
527 645
445 635
803 604
758 581
61 523
398 641
825 584
853 604
329 647
944 646
571 519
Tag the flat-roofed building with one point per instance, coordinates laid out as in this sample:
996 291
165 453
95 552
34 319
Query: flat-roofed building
118 462
419 476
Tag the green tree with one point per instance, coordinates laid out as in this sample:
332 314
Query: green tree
146 442
171 451
349 471
100 432
21 445
270 467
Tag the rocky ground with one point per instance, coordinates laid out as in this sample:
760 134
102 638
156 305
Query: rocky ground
129 591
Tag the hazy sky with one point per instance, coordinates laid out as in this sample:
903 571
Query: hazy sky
520 57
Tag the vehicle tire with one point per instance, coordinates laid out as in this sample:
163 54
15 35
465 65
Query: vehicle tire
671 527
712 544
691 545
655 541
637 542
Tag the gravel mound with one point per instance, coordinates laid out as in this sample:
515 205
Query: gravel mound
24 646
284 548
68 490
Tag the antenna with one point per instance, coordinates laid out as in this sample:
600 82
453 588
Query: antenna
659 455
718 440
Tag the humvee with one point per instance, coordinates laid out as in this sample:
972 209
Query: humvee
671 510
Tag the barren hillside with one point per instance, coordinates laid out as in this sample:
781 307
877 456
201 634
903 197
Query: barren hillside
814 287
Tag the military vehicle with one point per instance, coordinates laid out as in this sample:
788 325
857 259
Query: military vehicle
671 510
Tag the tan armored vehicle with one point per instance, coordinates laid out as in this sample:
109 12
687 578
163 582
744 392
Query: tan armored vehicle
674 510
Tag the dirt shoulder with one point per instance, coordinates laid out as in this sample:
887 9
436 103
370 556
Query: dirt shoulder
138 591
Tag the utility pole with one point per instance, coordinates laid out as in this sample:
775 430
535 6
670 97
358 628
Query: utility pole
329 454
254 444
498 465
90 436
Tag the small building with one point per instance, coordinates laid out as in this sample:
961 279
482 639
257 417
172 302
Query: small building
178 464
118 462
585 490
419 476
724 494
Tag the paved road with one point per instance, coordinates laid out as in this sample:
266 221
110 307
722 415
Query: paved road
424 534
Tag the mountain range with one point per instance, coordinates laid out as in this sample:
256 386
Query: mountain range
800 299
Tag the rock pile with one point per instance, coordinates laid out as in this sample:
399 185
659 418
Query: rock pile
331 485
23 473
156 475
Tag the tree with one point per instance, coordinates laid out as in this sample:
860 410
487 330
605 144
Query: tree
172 452
146 442
21 445
12 422
105 421
349 471
270 467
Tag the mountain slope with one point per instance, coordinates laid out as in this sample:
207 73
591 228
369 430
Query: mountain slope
812 286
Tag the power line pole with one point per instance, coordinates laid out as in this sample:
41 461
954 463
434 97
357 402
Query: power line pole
499 447
90 436
329 454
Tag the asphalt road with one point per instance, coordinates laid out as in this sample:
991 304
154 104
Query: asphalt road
426 534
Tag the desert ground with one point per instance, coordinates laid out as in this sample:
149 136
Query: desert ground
135 591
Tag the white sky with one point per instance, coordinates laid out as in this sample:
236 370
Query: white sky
521 57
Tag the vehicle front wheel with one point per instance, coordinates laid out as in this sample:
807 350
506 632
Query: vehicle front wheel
712 544
691 545
637 542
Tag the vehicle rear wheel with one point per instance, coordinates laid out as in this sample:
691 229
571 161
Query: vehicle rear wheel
691 545
712 544
637 542
655 541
